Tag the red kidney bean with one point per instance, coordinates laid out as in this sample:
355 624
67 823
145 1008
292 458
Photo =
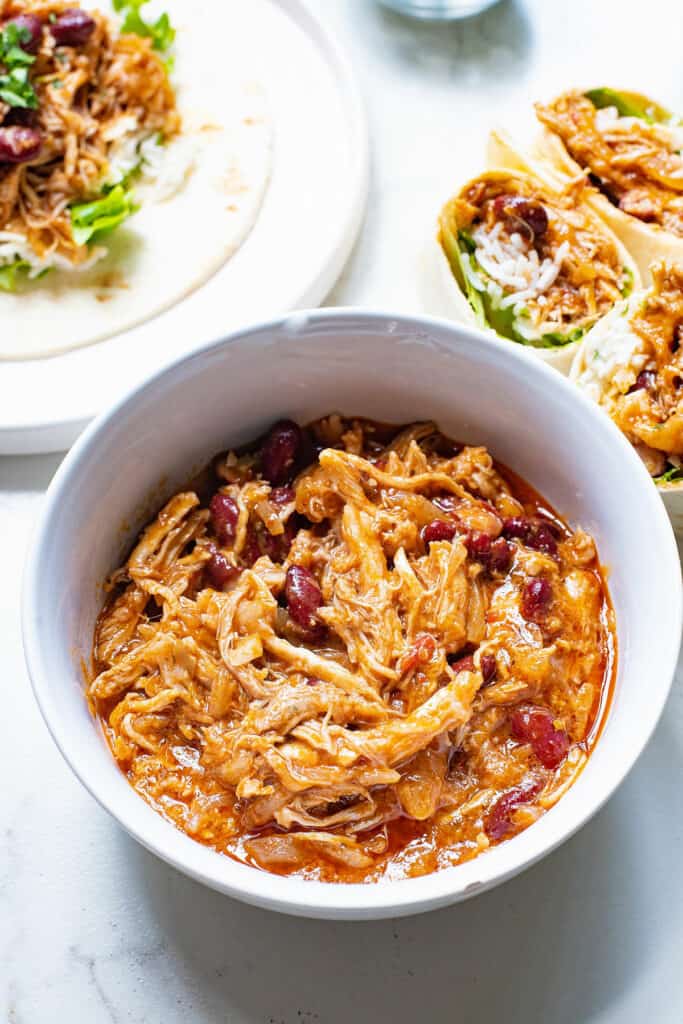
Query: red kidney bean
645 381
251 550
516 527
489 668
303 596
534 725
498 821
224 515
73 27
465 664
536 533
18 144
518 209
438 529
219 571
478 546
541 539
280 452
501 555
32 30
281 495
536 597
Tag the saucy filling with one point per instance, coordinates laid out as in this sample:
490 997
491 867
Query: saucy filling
536 267
636 163
354 651
644 393
78 104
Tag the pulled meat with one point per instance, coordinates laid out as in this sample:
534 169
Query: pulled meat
90 92
636 164
372 731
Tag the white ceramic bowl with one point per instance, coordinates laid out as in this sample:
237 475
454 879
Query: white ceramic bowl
391 368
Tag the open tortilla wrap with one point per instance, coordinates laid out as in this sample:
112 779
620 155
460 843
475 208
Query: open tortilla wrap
467 267
631 363
195 196
642 201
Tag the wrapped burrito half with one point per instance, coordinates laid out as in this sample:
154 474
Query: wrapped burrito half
631 363
535 265
630 148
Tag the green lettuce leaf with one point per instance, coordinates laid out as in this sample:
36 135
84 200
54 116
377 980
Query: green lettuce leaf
100 216
629 104
161 32
672 475
8 274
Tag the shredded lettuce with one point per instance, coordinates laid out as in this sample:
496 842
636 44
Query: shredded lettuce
161 32
672 475
99 216
628 282
502 321
629 104
8 274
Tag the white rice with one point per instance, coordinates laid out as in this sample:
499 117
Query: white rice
514 273
15 247
614 355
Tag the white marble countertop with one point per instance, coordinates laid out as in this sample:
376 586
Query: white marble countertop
93 929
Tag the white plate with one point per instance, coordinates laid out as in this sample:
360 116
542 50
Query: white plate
310 218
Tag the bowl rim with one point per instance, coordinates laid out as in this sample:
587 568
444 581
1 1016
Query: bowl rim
388 897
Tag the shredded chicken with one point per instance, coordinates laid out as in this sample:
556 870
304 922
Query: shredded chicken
316 705
636 164
89 96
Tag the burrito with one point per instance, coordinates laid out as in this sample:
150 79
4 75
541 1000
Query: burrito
132 164
631 363
630 149
535 265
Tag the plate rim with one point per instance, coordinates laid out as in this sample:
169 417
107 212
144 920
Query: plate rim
58 433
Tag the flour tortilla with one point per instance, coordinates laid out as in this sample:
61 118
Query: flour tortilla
173 244
441 292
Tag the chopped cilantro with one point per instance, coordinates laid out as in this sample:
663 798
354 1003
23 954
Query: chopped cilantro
15 88
161 32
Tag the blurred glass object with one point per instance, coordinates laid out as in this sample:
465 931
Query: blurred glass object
438 10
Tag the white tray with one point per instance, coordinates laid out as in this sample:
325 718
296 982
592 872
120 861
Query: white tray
310 218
